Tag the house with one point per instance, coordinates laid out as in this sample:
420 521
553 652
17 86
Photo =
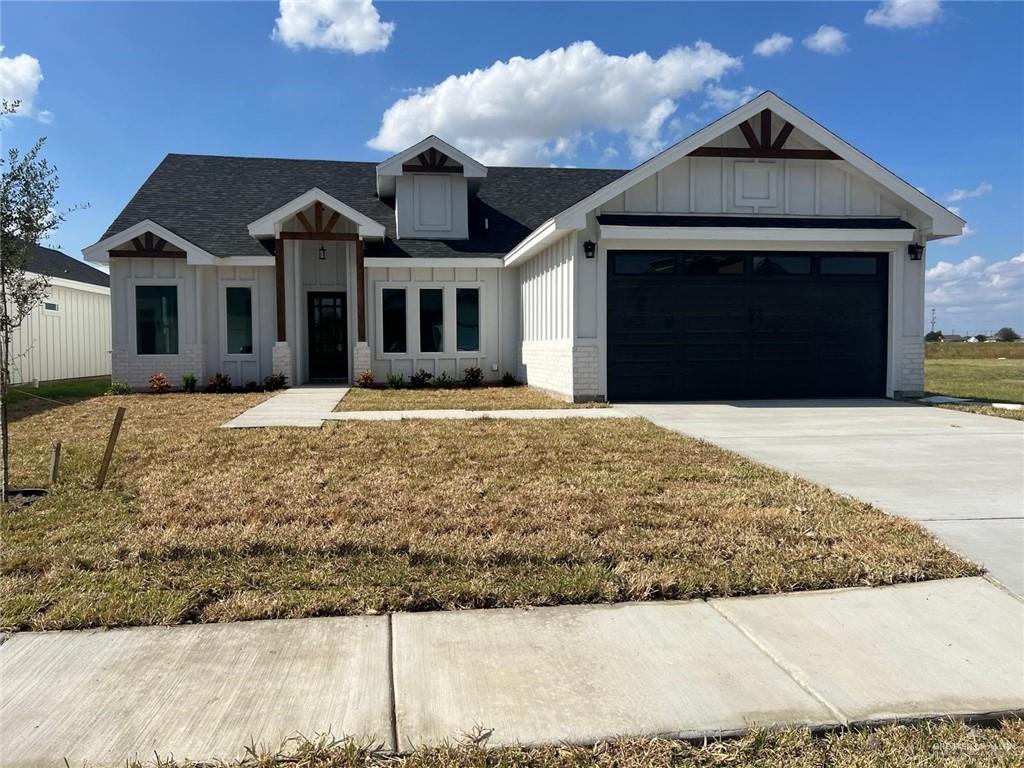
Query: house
67 336
760 257
952 337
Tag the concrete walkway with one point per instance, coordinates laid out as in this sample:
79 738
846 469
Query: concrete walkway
961 475
574 674
296 407
445 414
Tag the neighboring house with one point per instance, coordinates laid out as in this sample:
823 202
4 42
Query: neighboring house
67 336
952 337
760 257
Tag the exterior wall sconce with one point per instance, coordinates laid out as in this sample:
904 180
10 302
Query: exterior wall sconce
322 252
589 248
915 251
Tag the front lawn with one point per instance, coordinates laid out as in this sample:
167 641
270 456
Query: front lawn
475 399
67 389
199 523
1000 381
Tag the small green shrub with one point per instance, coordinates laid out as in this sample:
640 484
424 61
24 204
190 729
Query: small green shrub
159 383
188 382
364 378
508 380
395 381
119 388
219 382
443 381
420 379
472 377
253 386
275 381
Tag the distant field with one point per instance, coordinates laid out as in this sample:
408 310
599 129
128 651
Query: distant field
962 350
981 379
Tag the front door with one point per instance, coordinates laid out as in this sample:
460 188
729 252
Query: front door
328 348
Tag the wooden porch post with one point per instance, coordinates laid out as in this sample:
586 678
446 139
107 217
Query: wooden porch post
360 293
279 275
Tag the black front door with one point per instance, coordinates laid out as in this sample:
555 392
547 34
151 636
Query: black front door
328 350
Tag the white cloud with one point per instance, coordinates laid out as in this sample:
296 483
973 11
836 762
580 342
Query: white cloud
353 26
904 14
726 100
536 110
19 81
827 40
963 194
992 293
968 231
773 45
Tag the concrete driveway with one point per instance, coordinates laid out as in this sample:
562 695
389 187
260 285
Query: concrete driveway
960 474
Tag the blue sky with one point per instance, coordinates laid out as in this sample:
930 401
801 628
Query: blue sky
934 92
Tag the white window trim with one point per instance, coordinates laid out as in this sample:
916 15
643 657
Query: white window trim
479 317
417 180
222 312
412 321
47 310
133 319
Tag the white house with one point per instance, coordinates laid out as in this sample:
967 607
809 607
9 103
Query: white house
67 336
763 256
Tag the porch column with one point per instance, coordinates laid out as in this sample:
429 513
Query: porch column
279 275
360 292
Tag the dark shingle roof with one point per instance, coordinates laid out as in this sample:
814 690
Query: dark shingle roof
53 263
211 200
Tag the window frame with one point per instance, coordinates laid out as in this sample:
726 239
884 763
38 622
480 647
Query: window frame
222 300
133 317
412 319
52 312
479 319
419 321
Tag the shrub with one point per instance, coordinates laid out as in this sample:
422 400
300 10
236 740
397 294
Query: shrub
420 379
508 380
188 382
443 381
275 381
219 382
396 381
119 388
472 377
365 378
253 386
159 383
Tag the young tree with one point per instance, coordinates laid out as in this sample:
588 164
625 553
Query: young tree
933 336
1007 334
28 212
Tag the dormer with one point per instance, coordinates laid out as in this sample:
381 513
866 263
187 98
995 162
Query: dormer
430 183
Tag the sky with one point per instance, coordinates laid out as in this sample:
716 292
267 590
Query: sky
932 90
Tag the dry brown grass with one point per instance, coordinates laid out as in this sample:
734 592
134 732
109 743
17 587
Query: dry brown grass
935 745
204 524
477 399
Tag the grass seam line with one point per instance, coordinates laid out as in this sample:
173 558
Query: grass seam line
843 719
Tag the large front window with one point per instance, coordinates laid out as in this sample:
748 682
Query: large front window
238 303
431 320
467 319
156 319
393 319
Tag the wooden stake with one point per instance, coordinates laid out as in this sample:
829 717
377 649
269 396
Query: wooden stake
114 431
54 461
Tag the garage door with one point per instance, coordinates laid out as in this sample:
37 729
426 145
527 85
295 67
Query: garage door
709 325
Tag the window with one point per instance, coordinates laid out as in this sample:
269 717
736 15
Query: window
645 264
849 265
238 307
393 318
714 264
156 319
782 265
431 320
51 306
467 319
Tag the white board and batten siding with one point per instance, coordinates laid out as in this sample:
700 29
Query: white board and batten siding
499 318
69 342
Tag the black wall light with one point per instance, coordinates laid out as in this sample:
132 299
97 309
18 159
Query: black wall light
915 251
589 248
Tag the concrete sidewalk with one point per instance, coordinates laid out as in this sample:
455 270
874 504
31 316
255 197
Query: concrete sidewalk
574 673
961 475
297 407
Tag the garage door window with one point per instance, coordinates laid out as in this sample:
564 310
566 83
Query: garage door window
773 266
849 265
645 264
714 264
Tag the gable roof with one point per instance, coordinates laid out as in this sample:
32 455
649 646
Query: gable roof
210 201
53 263
945 222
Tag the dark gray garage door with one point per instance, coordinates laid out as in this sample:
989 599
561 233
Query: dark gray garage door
709 325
